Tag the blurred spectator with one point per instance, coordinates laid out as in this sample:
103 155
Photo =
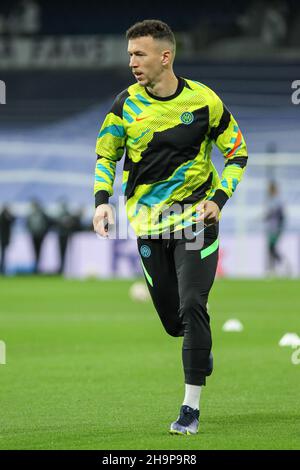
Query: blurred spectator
275 27
38 224
23 18
266 21
65 225
275 222
6 222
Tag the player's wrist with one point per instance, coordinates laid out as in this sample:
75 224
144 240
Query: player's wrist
101 197
220 198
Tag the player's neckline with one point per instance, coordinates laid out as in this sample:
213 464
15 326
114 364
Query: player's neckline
179 89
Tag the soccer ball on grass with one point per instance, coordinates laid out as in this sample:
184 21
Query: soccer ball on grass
138 292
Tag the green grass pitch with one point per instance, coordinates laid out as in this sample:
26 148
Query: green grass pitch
88 368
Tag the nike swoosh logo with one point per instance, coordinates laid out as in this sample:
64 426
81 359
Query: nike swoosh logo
202 230
197 233
140 119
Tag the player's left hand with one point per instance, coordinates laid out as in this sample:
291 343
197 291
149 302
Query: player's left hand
209 212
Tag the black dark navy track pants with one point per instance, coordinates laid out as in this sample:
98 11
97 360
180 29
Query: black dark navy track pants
179 281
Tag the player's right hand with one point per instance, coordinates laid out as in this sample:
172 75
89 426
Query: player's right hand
103 218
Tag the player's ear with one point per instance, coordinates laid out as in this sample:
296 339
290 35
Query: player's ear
166 57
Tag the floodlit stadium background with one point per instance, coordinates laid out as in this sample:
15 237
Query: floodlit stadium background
62 77
62 68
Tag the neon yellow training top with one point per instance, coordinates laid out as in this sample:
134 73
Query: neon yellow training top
168 144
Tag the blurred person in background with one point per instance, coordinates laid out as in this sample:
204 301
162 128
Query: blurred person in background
38 224
66 224
6 222
24 17
266 21
168 125
275 222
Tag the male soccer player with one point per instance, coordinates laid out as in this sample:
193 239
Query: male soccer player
167 125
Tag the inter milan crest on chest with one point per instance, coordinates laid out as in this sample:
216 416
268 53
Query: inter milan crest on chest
187 117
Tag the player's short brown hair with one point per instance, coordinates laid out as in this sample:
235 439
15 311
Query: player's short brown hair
154 28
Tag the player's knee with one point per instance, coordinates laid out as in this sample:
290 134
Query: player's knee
194 304
174 330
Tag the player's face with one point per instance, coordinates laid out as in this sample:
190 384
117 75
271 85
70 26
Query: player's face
146 59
